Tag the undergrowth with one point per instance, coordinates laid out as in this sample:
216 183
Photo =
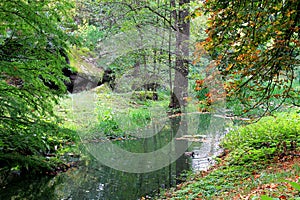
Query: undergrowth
262 163
272 136
121 115
35 151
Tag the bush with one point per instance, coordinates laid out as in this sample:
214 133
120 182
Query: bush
271 136
108 124
111 124
34 149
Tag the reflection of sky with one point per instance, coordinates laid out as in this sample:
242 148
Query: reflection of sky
203 157
101 187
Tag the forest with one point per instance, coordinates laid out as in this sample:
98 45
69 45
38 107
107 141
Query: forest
150 99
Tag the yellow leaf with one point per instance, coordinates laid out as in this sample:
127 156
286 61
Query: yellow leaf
198 13
229 67
290 12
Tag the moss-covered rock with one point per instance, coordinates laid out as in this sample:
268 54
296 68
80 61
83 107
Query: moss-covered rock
104 88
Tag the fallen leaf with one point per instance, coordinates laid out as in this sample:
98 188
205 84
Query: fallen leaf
282 197
256 176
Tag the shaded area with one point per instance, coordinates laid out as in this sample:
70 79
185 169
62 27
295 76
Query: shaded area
93 180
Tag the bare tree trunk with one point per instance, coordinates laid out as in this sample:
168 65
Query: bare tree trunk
180 90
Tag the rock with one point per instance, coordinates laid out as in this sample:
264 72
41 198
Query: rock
102 89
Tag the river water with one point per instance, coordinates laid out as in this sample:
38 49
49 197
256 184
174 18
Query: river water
95 179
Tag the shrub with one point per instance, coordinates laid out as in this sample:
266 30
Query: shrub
272 135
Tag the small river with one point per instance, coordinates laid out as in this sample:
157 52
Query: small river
98 179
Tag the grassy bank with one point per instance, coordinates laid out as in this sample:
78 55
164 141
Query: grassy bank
110 115
262 161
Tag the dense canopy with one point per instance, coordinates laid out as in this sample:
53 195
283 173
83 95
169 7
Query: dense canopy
256 48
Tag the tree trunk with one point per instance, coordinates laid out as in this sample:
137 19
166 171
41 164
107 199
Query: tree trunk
180 90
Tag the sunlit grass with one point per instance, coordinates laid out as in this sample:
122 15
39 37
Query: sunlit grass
97 115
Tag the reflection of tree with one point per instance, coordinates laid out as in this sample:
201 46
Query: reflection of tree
100 182
38 188
204 122
180 145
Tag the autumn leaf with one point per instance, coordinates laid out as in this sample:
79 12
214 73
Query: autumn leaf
198 88
256 176
200 82
208 94
229 67
254 56
282 197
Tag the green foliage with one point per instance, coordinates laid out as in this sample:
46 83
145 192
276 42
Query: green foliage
113 124
29 149
212 185
108 124
144 95
119 115
119 124
202 94
33 43
264 197
273 135
294 185
90 36
139 117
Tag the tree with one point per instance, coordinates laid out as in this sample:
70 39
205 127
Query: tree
255 45
118 16
182 24
33 41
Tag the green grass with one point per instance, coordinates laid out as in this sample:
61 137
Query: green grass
112 115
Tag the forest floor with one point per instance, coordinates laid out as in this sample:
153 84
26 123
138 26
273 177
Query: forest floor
274 180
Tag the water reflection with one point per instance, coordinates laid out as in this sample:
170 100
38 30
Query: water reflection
93 180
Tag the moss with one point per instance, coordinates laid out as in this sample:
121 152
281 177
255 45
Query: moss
144 95
104 88
84 61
